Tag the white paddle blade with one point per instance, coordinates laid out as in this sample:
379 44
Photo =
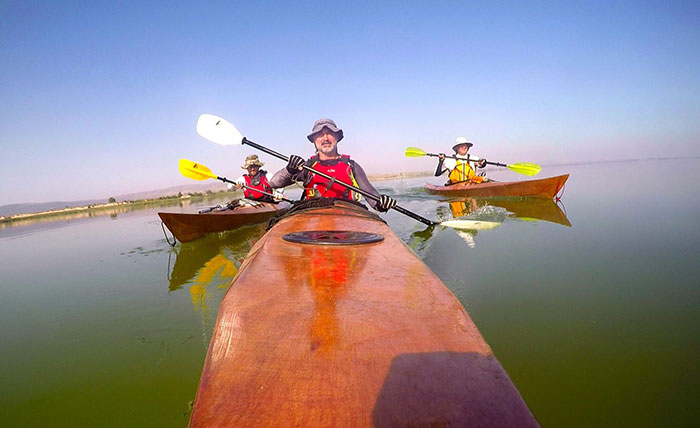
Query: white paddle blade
218 130
471 224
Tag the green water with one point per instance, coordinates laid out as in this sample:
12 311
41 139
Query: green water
104 324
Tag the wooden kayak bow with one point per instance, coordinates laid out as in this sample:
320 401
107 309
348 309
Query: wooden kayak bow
347 334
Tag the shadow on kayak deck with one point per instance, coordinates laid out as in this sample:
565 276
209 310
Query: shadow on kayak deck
449 389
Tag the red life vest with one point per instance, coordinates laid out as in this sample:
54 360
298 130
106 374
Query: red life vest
258 182
319 187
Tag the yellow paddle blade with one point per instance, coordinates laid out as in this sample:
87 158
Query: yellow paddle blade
525 168
194 170
414 152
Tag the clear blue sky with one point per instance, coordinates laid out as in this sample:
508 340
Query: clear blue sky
100 98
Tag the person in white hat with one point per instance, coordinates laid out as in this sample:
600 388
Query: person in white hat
255 179
325 136
461 169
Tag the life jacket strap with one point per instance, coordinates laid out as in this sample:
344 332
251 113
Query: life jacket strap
330 184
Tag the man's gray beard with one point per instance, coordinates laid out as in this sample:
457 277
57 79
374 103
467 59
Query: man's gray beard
331 151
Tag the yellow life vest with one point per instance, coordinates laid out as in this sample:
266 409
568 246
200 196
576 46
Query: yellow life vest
464 172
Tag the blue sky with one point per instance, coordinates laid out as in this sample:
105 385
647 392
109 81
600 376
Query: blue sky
101 98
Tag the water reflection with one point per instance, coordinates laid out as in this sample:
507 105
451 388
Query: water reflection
494 210
529 209
329 274
419 239
211 263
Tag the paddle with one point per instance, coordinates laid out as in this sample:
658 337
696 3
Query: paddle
197 171
219 130
521 168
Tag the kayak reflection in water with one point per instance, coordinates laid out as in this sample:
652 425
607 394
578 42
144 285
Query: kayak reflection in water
325 136
460 209
420 239
461 169
256 179
464 207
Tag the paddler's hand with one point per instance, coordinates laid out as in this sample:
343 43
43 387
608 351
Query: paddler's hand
441 156
294 164
385 203
481 163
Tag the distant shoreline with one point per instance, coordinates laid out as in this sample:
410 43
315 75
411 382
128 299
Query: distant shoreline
97 208
187 190
394 176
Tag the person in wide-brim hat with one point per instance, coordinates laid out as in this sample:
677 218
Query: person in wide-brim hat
251 161
328 124
460 170
255 183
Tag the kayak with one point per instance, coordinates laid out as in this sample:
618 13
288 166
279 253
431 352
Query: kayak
188 227
543 188
333 321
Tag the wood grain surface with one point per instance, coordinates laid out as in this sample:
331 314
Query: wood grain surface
543 188
348 336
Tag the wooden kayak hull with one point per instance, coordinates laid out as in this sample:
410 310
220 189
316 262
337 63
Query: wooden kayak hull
347 336
188 227
541 188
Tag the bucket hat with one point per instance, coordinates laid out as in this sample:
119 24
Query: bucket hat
325 123
252 160
459 141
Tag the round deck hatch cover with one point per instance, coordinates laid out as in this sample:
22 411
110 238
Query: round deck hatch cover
332 237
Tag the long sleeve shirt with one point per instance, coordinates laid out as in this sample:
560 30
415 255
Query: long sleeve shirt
448 164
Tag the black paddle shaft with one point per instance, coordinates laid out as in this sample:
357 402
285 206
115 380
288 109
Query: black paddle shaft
348 186
466 159
226 180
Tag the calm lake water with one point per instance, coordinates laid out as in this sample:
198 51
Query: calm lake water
593 314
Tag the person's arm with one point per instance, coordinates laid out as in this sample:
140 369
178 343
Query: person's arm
440 170
238 183
278 192
364 184
282 178
289 174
